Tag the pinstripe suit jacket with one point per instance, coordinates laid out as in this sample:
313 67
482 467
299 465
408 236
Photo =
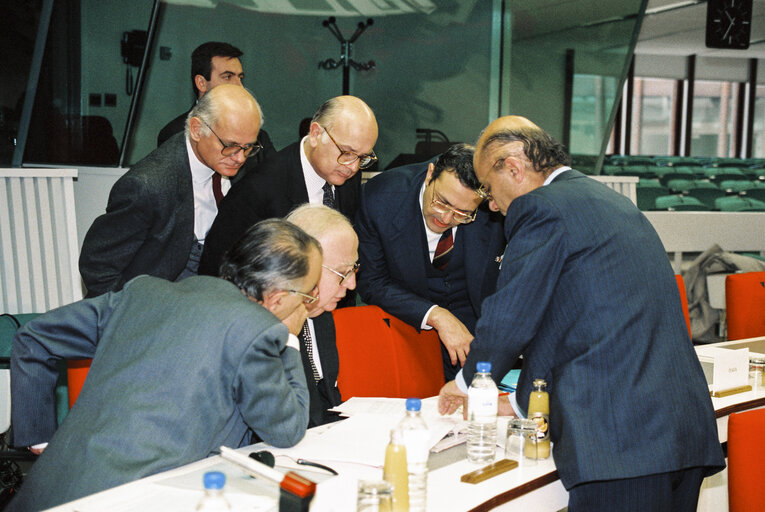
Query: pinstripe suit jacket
179 369
586 293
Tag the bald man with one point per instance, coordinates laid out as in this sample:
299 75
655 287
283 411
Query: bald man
587 295
340 250
322 168
160 211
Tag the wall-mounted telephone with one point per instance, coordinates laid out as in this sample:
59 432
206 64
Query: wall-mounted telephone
132 48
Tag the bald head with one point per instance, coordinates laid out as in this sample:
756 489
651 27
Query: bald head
513 157
341 124
227 114
340 247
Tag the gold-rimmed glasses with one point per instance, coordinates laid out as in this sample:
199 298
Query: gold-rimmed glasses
307 299
347 275
348 157
442 208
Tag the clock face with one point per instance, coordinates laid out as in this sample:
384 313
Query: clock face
728 23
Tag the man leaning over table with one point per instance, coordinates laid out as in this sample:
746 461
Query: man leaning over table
179 369
321 363
587 295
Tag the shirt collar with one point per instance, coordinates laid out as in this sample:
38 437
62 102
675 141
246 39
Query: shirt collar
199 171
313 182
555 173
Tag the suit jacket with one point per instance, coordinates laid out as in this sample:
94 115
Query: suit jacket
148 227
179 369
587 295
272 190
178 125
392 240
324 394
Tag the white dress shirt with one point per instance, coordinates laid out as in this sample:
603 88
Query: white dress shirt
205 208
313 182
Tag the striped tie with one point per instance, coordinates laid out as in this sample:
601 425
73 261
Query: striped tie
443 250
305 337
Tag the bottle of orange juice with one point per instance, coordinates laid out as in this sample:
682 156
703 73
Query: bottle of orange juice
395 471
539 411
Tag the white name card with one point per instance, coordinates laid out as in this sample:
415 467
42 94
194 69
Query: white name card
724 368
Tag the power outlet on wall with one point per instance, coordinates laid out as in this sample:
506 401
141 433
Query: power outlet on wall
94 99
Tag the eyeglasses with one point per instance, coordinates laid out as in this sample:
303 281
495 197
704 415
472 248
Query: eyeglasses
231 149
442 208
347 275
348 157
307 299
484 193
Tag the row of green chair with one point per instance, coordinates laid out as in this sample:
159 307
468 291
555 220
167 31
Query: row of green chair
706 191
682 202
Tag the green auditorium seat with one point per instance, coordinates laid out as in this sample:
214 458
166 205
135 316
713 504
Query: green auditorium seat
679 184
706 192
720 174
739 204
736 186
647 191
679 202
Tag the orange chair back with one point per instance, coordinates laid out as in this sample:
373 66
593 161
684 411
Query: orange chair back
76 372
684 300
745 305
380 355
746 453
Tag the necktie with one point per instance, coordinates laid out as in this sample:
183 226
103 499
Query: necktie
443 250
305 335
329 196
217 192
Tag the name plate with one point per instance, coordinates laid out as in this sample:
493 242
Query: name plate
724 369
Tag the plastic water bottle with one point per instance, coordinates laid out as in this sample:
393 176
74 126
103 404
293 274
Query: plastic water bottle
417 441
213 499
482 416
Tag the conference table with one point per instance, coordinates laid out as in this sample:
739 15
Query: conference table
534 487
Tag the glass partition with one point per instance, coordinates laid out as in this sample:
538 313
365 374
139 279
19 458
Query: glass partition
561 52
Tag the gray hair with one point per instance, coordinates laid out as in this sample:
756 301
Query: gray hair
208 110
272 254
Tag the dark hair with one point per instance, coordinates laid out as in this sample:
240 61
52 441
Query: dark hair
272 254
540 148
458 158
327 111
201 59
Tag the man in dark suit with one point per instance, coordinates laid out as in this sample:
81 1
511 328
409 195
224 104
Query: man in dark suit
178 370
214 64
405 214
587 295
340 246
322 168
159 212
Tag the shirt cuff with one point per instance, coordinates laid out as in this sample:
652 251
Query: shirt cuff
39 446
293 342
425 326
514 405
460 381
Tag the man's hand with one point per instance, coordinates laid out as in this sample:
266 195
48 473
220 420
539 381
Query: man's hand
453 333
296 319
504 408
450 398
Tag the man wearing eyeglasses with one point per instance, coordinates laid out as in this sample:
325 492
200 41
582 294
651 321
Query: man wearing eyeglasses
427 250
322 168
160 211
318 350
213 64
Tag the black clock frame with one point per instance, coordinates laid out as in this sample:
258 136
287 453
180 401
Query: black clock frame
729 24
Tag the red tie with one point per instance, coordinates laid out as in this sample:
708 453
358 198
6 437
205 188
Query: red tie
443 250
217 192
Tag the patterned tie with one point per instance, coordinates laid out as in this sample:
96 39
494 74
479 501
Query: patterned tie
217 191
443 250
305 337
329 196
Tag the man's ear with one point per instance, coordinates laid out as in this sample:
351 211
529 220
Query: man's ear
429 176
195 125
314 132
201 84
273 299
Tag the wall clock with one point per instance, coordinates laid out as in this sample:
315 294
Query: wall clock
729 24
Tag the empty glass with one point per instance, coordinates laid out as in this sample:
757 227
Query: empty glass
522 442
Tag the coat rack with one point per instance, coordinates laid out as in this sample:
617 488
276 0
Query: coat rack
345 51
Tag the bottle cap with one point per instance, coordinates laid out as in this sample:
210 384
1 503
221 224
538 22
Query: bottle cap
539 383
413 404
214 480
483 367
